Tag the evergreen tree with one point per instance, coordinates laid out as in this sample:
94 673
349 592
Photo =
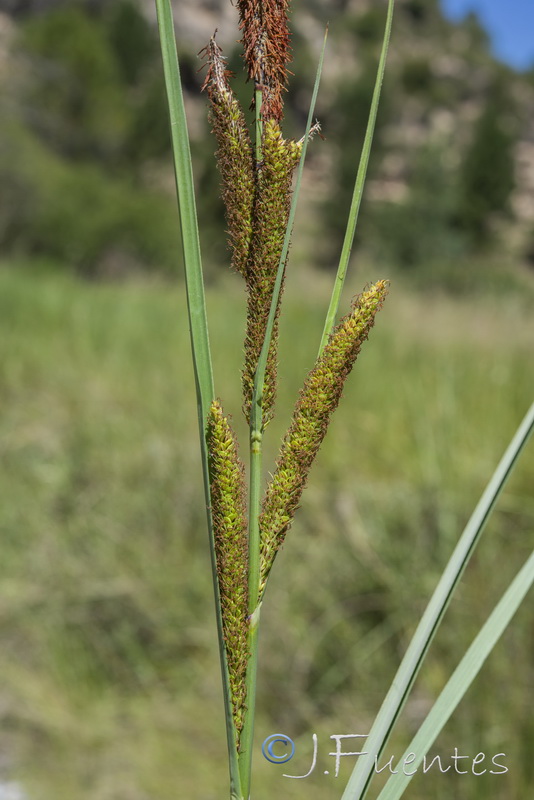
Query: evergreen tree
487 174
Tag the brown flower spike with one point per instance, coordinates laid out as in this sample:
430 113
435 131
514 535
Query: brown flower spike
230 532
257 201
271 212
267 51
234 156
318 399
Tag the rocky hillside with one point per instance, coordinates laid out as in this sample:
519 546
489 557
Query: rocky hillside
444 95
441 78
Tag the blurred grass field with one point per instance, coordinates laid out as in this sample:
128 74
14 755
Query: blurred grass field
110 687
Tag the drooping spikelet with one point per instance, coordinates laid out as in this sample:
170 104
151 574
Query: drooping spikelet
234 156
230 533
318 399
267 50
271 211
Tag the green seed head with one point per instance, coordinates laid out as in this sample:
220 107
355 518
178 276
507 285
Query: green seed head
234 156
230 533
271 212
318 399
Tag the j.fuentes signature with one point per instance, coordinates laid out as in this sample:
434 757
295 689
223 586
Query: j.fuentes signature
279 749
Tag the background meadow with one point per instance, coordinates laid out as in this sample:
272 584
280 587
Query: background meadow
110 687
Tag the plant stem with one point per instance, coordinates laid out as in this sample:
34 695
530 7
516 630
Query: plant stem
258 100
254 506
256 435
358 186
247 734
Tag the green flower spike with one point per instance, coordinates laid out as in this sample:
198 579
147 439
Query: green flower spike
230 532
318 399
234 157
271 212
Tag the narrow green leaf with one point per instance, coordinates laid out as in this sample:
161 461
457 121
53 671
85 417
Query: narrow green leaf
187 210
358 186
198 324
460 681
403 681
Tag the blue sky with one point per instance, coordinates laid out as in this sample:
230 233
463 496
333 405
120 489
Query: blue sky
510 24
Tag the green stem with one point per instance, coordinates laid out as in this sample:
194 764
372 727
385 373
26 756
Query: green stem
247 734
256 427
358 187
258 100
256 435
254 510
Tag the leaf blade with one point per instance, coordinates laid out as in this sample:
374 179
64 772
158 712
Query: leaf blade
461 679
187 209
358 186
395 699
198 324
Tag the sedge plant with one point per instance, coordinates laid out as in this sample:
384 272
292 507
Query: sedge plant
260 172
